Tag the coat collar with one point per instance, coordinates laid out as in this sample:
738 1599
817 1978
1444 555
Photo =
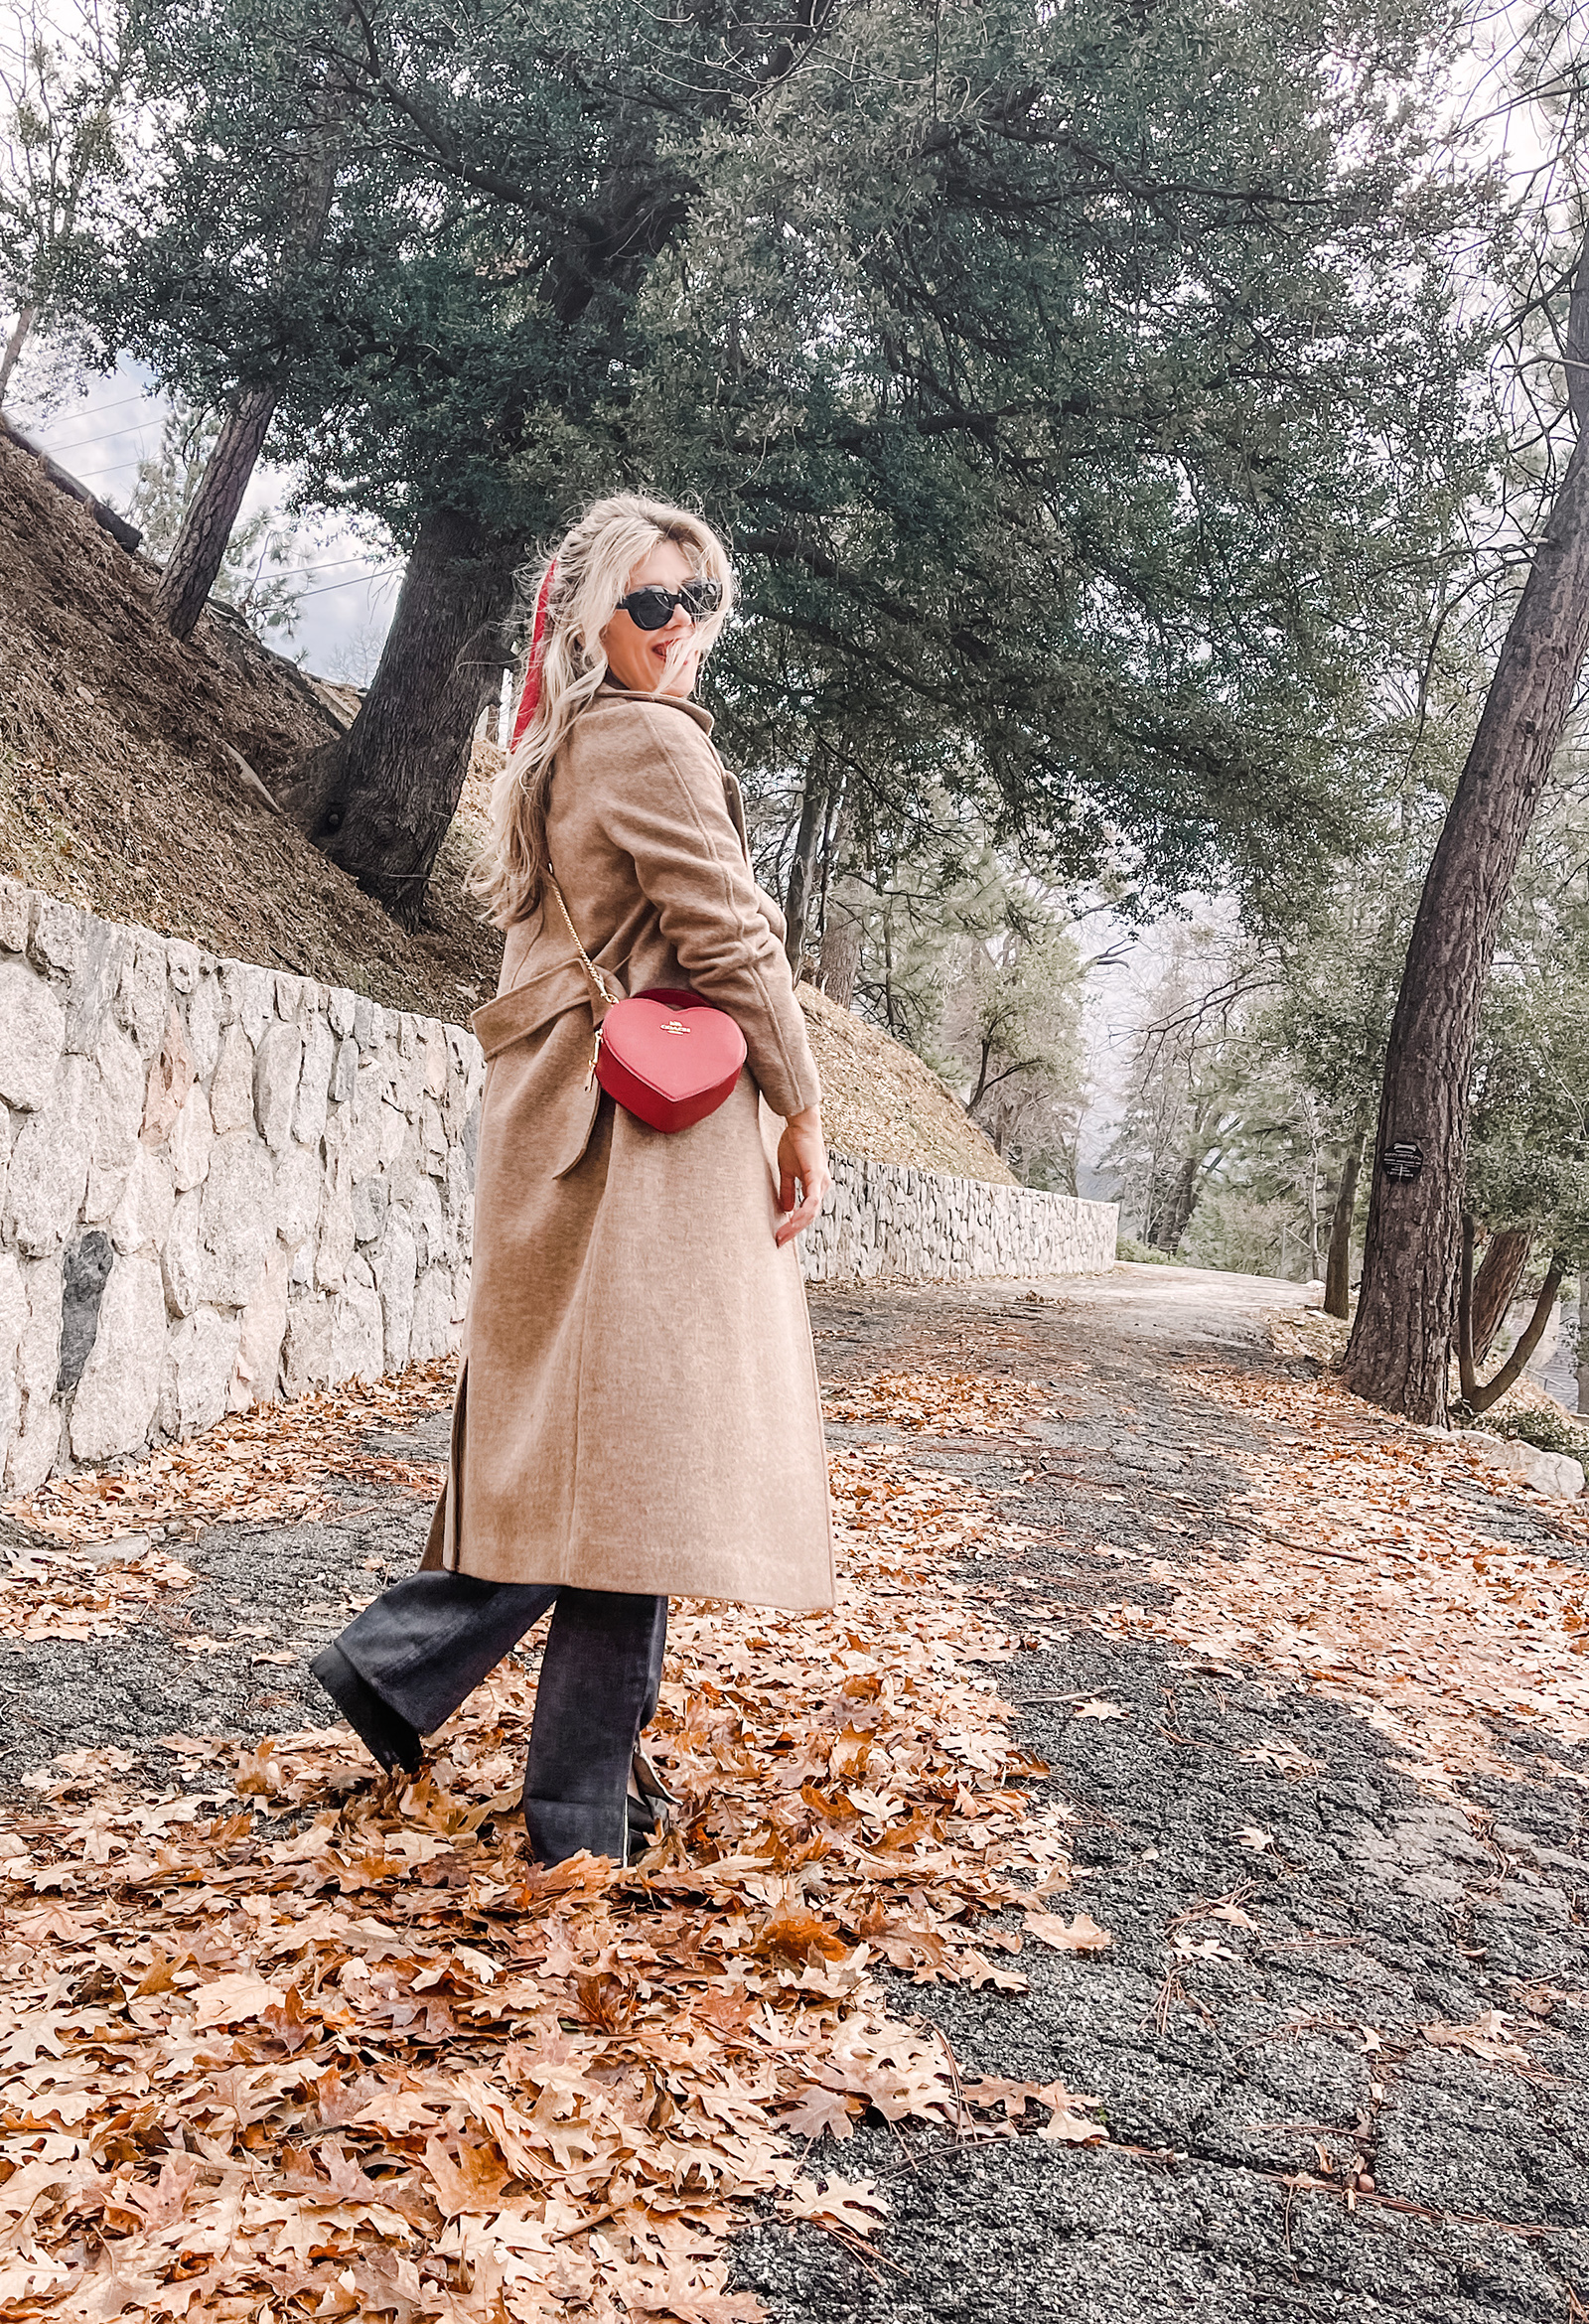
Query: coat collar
611 691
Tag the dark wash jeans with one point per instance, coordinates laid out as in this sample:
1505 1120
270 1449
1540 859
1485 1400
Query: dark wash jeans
429 1641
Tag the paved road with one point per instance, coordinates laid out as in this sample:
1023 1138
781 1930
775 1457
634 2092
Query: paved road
1378 1907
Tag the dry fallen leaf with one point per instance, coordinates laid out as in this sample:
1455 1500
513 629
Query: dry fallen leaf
1066 2124
469 2178
852 2203
1488 2038
818 2109
1190 1948
228 2000
1082 1934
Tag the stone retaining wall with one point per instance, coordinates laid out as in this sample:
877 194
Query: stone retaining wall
220 1185
884 1220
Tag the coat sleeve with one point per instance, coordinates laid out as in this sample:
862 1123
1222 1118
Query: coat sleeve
664 807
773 913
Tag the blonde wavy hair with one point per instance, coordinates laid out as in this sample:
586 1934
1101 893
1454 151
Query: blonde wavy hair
590 569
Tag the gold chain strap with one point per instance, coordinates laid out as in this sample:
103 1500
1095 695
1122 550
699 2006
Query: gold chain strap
597 978
596 975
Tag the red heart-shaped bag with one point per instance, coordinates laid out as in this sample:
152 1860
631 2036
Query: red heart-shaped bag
669 1057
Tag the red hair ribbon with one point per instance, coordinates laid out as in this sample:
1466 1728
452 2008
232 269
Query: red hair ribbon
530 696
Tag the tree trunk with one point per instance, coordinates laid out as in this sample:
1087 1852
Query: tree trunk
1398 1355
803 871
14 345
381 799
842 943
1337 1263
200 548
197 554
1481 1398
1495 1286
1467 1370
1175 1214
890 1012
1583 1334
1155 1202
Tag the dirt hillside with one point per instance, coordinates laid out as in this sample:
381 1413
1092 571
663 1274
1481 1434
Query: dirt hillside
878 1099
120 791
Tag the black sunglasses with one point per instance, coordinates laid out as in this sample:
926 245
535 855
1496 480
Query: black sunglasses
652 608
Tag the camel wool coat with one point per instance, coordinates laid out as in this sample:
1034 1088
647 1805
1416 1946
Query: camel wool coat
638 1407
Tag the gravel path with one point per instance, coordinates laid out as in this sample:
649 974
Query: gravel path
1292 2051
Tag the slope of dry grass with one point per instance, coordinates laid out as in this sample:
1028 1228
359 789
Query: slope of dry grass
117 791
878 1099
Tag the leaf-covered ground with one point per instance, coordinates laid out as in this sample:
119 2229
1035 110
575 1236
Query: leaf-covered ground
1159 1891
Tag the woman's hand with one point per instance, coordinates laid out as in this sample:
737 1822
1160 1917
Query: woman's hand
802 1156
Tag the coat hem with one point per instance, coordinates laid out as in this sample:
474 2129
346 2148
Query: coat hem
673 1590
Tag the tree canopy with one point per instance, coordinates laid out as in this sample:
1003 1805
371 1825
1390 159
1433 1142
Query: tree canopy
1091 421
1080 393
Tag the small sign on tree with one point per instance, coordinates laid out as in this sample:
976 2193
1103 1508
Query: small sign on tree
1402 1161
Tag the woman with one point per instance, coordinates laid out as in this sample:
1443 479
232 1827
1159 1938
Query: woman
638 1414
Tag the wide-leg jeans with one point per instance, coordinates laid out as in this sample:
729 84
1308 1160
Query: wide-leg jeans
427 1642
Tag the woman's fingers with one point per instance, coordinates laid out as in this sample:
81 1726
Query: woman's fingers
813 1195
798 1220
803 1177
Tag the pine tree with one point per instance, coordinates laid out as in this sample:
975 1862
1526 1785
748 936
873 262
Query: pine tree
60 154
262 568
1406 1318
